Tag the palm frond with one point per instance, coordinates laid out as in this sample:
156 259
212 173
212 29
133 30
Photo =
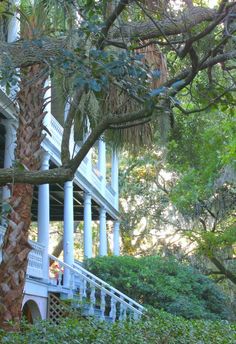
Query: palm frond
118 101
42 17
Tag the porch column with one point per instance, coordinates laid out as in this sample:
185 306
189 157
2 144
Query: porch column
14 25
44 216
10 138
116 238
88 241
68 237
102 161
103 232
115 176
13 32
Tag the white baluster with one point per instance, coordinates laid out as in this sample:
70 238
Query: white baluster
72 284
103 304
121 311
112 313
84 288
135 316
72 281
92 300
130 314
60 274
125 313
81 290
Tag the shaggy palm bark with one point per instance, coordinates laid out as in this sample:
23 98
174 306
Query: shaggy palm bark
16 248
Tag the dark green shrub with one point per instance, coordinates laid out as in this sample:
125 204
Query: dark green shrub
158 328
163 283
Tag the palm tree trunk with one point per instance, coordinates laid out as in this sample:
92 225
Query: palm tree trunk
27 155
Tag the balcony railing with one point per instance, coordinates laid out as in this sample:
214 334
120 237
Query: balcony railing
93 177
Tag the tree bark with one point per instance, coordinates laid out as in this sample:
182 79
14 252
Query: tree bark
15 245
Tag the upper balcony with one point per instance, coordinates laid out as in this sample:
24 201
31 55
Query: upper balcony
87 178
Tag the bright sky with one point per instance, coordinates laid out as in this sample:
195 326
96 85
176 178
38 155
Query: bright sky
212 3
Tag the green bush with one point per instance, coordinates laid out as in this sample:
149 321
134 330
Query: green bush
163 283
160 328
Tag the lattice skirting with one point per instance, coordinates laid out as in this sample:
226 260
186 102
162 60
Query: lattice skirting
56 309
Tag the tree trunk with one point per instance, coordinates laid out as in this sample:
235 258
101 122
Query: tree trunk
15 245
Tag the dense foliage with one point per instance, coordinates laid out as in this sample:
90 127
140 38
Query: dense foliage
192 178
163 283
160 328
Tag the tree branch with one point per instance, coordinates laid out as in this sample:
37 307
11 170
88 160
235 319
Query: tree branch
202 65
130 124
106 123
65 143
56 175
223 270
184 22
110 20
205 32
26 53
213 101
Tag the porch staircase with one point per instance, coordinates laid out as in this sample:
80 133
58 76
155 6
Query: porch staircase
91 295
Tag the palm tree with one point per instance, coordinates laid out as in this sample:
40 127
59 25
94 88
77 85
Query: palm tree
31 104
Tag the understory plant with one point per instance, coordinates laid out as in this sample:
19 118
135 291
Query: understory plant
156 328
163 283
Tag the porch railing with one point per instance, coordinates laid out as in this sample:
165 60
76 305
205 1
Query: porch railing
35 263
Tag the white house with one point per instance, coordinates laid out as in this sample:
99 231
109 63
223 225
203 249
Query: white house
88 197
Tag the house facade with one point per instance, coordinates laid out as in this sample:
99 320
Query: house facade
90 196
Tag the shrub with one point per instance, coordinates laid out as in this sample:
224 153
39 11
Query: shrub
163 283
159 328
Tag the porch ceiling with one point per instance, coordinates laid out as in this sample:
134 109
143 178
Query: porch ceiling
57 204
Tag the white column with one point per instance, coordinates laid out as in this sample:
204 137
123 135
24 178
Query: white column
88 240
14 25
13 34
44 216
115 177
116 238
68 238
10 138
102 161
102 232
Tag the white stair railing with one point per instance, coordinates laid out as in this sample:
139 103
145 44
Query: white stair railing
107 286
94 291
